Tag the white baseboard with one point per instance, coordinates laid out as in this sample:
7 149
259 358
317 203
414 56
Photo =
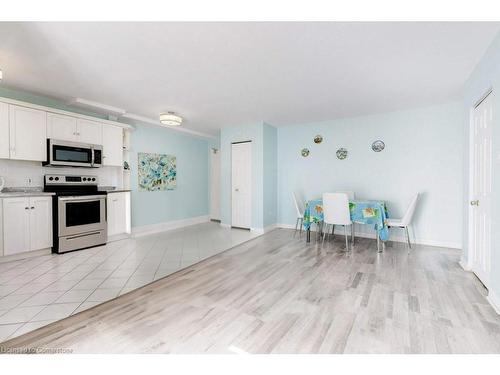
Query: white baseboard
144 230
118 237
28 254
464 264
418 241
264 230
494 301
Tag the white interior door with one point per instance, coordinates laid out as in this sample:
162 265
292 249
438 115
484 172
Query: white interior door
215 185
241 180
480 199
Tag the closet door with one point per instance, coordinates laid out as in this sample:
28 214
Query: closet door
241 181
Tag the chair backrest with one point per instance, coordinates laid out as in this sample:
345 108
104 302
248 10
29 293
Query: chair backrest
336 209
408 216
349 193
299 204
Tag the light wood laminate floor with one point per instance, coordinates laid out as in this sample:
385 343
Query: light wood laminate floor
277 294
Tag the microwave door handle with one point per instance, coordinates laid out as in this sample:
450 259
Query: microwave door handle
87 198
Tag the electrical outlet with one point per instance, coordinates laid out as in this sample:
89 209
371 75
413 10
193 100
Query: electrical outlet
29 180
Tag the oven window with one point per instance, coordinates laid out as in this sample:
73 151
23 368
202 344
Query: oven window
72 154
83 213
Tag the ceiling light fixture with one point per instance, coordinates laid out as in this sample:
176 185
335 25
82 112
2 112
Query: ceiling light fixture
170 119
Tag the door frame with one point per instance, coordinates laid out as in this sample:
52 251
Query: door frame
214 151
469 265
251 186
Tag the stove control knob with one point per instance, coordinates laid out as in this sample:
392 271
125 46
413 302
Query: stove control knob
84 179
93 179
57 178
51 178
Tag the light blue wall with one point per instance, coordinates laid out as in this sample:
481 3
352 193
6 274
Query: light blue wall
485 76
270 170
254 133
190 199
423 154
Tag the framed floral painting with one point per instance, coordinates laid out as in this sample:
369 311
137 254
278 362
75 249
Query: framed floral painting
157 172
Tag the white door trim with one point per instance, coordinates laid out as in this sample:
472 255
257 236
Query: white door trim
469 265
215 184
244 219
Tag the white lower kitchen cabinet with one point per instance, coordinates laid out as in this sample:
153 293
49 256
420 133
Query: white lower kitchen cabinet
27 224
118 211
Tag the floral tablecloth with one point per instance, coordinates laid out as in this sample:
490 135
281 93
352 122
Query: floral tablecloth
363 212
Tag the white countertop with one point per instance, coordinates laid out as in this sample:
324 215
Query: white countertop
9 194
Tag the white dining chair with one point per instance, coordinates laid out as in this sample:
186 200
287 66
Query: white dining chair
405 221
351 196
299 207
336 212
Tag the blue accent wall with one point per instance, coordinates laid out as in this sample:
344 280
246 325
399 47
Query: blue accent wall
190 199
423 154
270 171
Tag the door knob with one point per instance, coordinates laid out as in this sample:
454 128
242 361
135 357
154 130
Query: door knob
474 203
236 189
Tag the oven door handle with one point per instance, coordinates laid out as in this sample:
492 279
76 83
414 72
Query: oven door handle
86 198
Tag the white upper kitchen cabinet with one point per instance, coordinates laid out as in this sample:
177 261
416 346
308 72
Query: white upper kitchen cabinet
89 132
61 127
27 133
112 145
67 128
4 131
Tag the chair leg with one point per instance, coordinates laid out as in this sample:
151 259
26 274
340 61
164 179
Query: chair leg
408 238
352 234
346 241
296 226
301 226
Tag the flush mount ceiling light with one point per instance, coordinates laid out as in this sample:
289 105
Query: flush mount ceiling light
170 119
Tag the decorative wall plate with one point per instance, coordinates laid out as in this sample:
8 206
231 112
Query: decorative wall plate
341 153
318 139
378 146
304 152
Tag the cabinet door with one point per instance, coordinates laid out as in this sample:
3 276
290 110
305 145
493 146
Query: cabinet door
89 132
111 214
28 133
112 145
4 131
16 225
40 223
118 216
61 127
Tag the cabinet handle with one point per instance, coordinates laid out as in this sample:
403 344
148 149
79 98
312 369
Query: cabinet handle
32 208
26 208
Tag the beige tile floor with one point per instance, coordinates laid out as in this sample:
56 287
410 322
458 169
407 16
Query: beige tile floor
37 291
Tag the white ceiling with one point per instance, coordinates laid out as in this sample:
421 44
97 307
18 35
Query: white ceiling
225 74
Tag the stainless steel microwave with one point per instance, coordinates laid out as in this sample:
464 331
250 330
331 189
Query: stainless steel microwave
73 154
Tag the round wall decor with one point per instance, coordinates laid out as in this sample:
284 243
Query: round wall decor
378 146
318 139
304 152
341 153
